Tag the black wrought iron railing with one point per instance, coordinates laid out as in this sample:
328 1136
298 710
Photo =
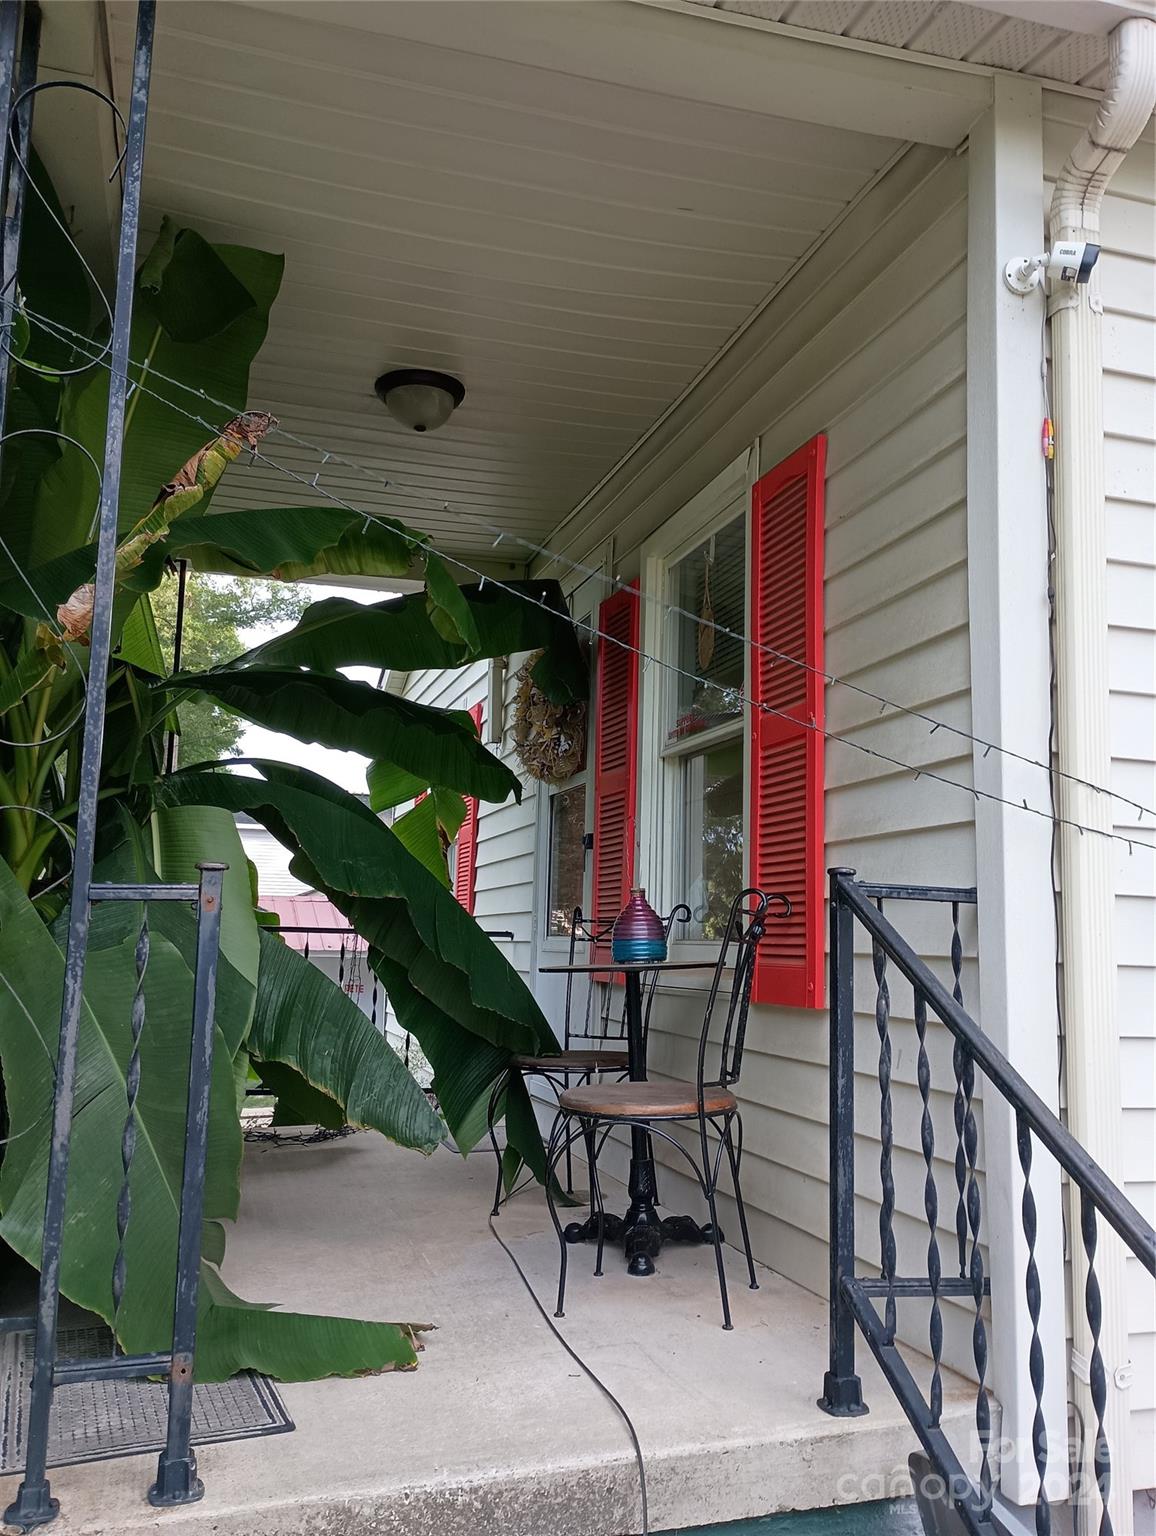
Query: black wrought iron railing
855 1300
177 1481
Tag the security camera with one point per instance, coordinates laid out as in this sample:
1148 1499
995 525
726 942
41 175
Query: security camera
1069 261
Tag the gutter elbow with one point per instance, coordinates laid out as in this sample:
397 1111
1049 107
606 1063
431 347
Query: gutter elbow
1125 108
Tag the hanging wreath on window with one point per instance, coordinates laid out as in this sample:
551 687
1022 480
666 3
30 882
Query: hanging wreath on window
550 739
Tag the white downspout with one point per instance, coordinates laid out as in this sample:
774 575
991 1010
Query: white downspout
1092 1060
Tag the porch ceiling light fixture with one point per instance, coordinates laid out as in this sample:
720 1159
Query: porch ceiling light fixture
420 398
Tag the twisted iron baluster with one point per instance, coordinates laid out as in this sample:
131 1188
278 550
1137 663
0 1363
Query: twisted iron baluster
128 1134
886 1133
979 1328
341 966
306 950
373 1003
407 1043
1036 1349
1097 1378
964 1088
931 1205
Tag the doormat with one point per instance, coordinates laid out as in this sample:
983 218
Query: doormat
95 1420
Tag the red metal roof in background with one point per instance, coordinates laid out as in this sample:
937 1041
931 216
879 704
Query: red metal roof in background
312 911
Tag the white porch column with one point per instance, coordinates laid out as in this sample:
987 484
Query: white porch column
1010 672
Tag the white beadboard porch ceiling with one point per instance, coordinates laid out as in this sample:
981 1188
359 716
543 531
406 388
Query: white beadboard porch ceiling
953 29
574 250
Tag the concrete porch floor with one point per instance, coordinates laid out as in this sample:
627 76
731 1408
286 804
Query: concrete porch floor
498 1431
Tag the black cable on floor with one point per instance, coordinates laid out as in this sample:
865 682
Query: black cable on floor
582 1366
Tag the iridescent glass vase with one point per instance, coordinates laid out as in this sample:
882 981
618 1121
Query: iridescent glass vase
638 933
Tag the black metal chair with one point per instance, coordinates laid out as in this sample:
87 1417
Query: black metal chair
592 1110
592 1045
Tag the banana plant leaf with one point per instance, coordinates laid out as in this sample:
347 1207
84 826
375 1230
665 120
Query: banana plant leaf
285 543
52 284
305 1022
465 1069
298 1102
296 543
184 836
449 612
32 668
432 744
399 634
420 831
389 785
464 1077
194 288
232 1334
401 908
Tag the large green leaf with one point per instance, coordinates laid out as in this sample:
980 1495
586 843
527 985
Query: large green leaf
32 967
161 434
419 830
400 634
437 745
389 896
186 835
389 785
306 1022
465 1068
448 609
296 543
286 543
232 1335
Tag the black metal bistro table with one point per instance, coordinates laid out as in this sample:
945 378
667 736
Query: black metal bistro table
642 1231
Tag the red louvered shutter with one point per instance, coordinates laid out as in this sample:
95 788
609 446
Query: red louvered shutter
615 752
787 844
466 859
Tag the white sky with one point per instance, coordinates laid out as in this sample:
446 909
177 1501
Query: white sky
344 768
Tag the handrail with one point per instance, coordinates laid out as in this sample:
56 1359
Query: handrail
1117 1209
965 1501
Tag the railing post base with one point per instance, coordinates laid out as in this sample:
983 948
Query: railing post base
842 1396
177 1482
32 1506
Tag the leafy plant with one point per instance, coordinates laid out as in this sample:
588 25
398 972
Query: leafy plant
201 315
216 609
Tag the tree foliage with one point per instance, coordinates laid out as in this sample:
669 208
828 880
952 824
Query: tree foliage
217 609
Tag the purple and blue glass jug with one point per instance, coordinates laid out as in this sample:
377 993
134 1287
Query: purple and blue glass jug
638 933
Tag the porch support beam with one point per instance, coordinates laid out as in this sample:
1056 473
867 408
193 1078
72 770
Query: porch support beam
1008 581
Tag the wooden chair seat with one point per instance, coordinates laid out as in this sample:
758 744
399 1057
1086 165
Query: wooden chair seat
573 1061
645 1101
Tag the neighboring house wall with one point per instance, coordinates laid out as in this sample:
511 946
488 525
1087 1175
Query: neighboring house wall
1128 278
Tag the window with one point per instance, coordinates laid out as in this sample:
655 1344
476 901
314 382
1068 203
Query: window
567 876
703 741
565 819
731 792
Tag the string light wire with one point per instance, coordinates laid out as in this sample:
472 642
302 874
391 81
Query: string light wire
421 544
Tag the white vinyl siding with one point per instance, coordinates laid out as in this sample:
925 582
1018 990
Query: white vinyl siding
883 373
1128 281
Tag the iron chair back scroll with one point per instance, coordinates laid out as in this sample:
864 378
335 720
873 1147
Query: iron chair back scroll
588 1048
591 1111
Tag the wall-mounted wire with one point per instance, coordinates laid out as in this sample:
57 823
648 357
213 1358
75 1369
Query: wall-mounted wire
596 572
420 543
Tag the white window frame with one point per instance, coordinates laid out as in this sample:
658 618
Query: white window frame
659 768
